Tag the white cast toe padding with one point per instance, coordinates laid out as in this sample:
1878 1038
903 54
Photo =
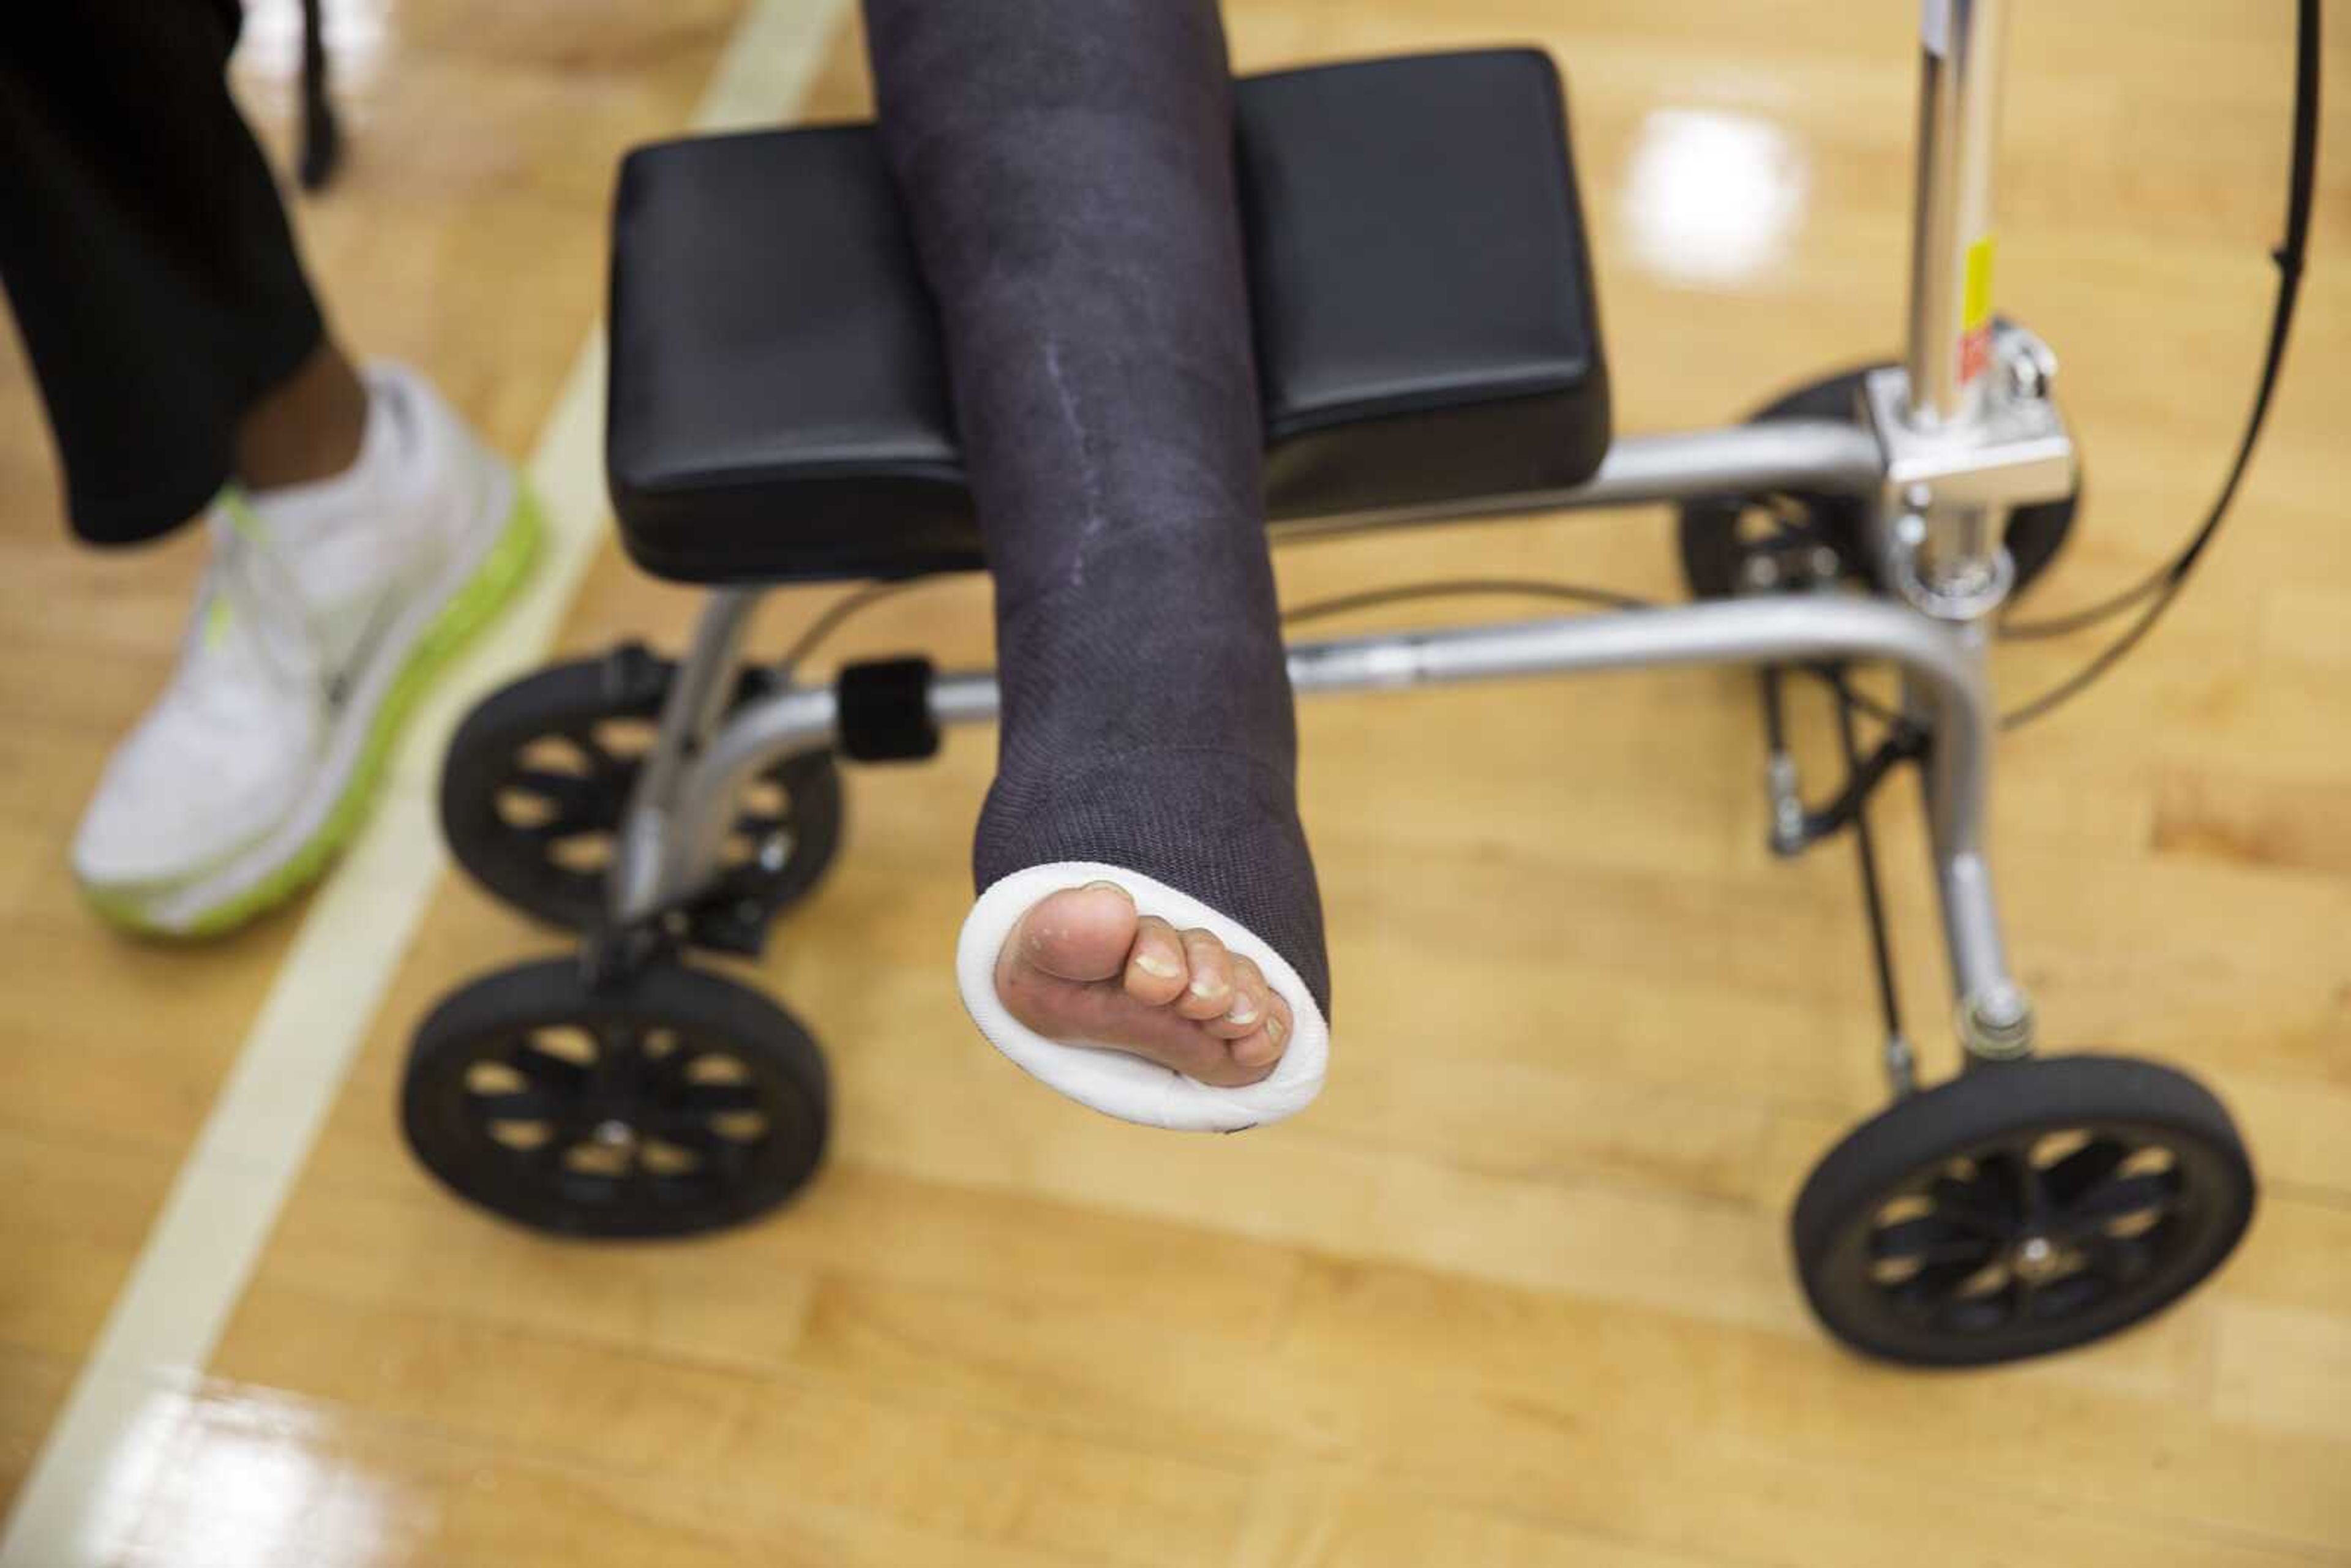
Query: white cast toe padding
1116 1082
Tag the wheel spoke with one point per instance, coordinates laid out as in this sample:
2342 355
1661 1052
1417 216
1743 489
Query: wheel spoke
694 1064
535 1104
582 734
665 1073
570 794
634 1182
698 1100
2026 1291
2067 1293
2132 1194
620 1063
1971 1204
601 760
563 829
2016 1182
2081 1170
546 1070
2116 1259
1929 1240
547 1158
1937 1285
698 1137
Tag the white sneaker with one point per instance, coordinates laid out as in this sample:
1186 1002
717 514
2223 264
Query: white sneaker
326 608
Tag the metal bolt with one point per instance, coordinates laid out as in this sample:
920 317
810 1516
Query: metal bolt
2036 1258
775 851
1788 832
2028 366
1901 1065
1918 497
2002 1007
1825 564
1780 784
614 1133
1910 530
1762 573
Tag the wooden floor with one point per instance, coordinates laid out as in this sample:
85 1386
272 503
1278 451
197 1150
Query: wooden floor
1515 1292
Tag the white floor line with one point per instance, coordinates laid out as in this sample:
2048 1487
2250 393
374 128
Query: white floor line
116 1428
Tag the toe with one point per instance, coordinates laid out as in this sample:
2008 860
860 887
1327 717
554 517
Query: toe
1210 989
1245 1014
1264 1047
1081 934
1258 1051
1221 1068
1155 970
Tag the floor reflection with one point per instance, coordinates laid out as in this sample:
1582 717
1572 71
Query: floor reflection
270 47
1711 197
227 1476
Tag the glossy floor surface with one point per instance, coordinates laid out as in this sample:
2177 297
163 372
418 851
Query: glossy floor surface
1516 1292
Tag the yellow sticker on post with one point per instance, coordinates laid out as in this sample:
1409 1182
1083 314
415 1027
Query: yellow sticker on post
1975 311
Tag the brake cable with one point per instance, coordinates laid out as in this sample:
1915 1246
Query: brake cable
2157 590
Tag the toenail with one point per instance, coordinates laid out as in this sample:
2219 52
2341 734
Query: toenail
1242 1011
1204 987
1106 886
1275 1027
1157 967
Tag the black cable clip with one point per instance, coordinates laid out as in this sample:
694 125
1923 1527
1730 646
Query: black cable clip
1905 742
885 711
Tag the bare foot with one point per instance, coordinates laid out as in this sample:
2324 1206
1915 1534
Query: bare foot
1084 966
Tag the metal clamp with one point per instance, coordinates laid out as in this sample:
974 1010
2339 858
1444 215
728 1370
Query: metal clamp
1796 826
1949 486
2015 453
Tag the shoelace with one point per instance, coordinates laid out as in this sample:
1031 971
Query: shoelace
249 592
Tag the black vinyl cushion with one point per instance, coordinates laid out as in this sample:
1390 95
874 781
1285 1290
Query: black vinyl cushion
1422 295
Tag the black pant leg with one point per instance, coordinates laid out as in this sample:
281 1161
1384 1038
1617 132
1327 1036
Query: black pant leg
144 249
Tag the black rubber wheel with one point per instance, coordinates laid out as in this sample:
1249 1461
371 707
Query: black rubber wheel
675 1104
538 776
1720 534
2020 1209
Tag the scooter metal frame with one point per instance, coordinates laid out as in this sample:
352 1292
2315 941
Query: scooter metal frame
1944 446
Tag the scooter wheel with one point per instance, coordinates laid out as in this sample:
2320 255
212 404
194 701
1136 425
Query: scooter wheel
2022 1208
539 775
674 1103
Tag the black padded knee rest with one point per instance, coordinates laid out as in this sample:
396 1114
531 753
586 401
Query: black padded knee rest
1422 295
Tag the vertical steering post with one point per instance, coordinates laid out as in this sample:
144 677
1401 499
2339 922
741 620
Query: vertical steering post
1967 422
1952 236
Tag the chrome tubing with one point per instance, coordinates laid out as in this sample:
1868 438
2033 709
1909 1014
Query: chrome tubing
1942 673
1949 347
